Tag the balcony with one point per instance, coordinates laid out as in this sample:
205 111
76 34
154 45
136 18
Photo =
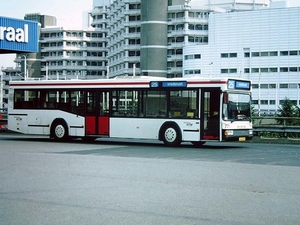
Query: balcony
175 57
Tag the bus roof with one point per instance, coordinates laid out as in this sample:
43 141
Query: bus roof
129 82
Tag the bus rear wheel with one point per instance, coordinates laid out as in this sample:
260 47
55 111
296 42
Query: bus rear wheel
171 135
60 131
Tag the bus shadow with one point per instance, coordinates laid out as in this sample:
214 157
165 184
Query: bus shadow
126 142
209 152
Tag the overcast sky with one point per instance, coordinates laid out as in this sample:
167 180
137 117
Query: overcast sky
68 13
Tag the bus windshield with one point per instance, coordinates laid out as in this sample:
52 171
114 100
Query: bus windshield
236 106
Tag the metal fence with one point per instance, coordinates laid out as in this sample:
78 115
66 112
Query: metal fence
277 126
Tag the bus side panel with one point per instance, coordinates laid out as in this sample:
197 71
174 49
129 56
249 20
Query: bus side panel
90 127
149 128
190 129
135 128
39 122
103 125
17 123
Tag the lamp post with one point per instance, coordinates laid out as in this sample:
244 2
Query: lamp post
25 66
47 71
210 68
107 72
259 94
1 89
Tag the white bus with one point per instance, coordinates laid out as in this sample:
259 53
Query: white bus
172 110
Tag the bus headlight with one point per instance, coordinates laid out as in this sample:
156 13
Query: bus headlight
228 132
250 132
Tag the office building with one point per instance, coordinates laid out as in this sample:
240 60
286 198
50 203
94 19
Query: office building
262 45
147 37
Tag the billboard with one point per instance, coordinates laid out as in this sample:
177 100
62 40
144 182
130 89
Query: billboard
18 35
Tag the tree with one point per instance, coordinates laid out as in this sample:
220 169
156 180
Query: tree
288 109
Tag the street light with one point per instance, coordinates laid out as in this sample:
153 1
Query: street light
25 66
210 68
1 89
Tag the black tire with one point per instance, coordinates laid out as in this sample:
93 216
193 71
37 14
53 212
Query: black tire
171 135
60 131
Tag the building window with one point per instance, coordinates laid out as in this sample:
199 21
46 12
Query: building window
264 102
274 53
272 102
192 72
246 70
180 39
284 53
191 27
293 69
247 54
196 56
232 70
264 70
293 86
273 70
284 69
292 101
284 86
255 54
293 53
187 57
228 55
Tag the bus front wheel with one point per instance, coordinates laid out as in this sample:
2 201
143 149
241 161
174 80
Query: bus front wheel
60 131
171 135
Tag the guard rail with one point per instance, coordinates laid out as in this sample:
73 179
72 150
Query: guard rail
280 126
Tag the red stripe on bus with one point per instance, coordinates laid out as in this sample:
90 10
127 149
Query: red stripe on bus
79 84
109 84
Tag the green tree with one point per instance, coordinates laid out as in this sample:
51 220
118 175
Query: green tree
288 109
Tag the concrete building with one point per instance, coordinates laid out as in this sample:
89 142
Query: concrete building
262 45
147 37
177 38
30 63
65 53
72 53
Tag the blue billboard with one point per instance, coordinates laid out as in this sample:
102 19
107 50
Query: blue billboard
18 35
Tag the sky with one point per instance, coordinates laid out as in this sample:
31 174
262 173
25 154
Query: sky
68 13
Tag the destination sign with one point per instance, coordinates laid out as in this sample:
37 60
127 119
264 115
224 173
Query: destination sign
168 84
238 84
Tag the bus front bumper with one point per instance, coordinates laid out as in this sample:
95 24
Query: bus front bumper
237 135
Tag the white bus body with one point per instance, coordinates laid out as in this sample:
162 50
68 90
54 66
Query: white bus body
172 110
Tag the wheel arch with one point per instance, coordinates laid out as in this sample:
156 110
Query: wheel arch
168 124
55 122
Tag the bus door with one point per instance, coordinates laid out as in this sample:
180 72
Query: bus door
97 113
210 114
103 119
